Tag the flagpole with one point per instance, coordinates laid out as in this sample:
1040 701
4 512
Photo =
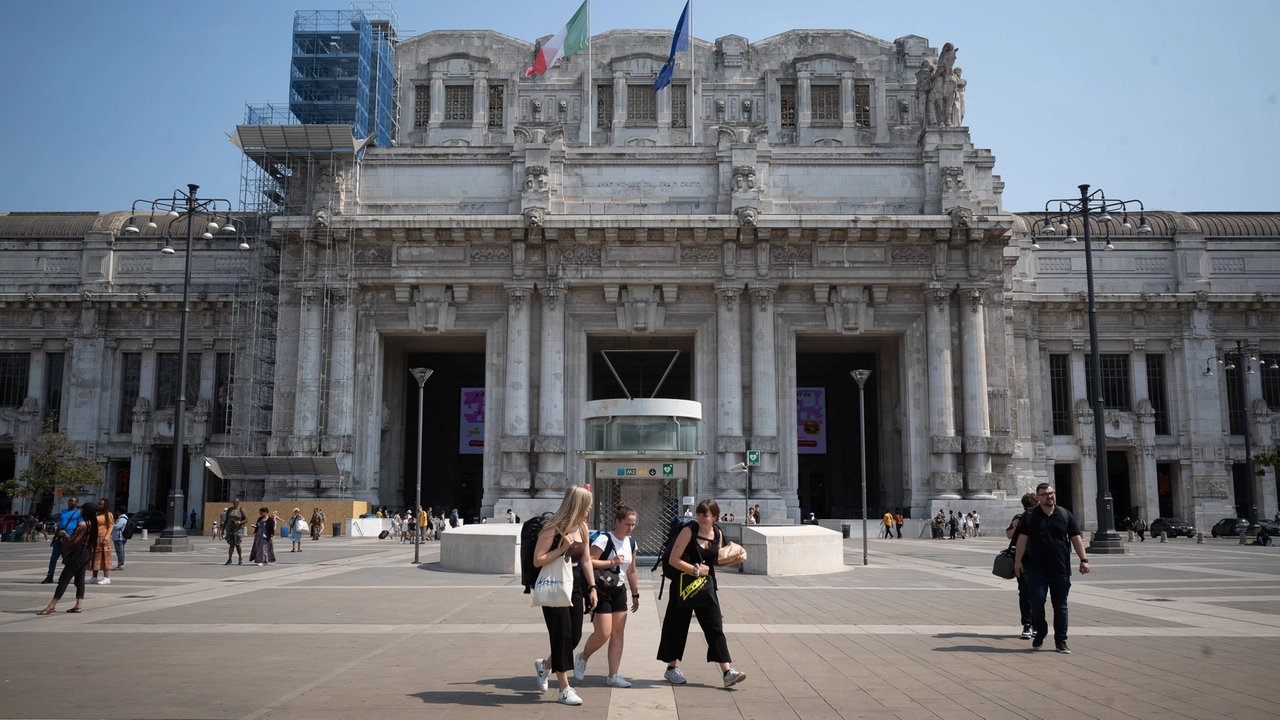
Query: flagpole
693 76
589 112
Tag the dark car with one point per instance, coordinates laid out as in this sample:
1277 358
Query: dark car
149 520
1229 527
1173 526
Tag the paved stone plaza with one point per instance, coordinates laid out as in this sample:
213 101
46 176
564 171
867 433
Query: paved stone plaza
352 629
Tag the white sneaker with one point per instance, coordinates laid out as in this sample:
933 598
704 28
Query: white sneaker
540 668
617 681
579 667
733 677
674 676
92 581
569 697
105 581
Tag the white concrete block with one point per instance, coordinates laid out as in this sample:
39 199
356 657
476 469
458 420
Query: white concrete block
792 550
489 548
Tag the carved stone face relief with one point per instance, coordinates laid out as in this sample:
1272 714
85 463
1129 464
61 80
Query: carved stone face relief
747 216
534 216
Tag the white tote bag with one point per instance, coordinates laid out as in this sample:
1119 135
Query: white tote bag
555 584
301 527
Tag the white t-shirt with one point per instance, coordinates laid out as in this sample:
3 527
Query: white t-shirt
621 548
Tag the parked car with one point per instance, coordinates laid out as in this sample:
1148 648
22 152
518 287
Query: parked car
1229 527
150 520
1173 526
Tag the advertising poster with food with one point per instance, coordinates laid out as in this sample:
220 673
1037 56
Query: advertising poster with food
811 420
471 422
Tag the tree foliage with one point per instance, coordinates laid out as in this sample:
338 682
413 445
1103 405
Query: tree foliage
54 464
1265 460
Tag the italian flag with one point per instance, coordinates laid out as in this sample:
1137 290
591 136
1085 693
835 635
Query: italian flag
570 39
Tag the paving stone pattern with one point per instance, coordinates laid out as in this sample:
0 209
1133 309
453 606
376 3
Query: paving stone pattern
353 629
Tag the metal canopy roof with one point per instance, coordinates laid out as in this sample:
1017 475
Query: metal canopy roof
296 138
257 467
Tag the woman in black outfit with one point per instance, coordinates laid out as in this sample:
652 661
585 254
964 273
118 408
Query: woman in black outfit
76 554
565 533
697 556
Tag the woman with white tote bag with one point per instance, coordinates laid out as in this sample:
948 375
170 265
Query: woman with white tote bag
561 547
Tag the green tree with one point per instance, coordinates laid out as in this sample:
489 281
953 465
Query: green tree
54 464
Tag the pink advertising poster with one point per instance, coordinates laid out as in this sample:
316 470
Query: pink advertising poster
811 421
471 422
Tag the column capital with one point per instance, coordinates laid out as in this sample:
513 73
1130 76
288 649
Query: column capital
764 293
552 295
939 295
518 293
729 294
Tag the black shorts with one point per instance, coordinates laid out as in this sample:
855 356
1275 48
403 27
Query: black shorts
612 599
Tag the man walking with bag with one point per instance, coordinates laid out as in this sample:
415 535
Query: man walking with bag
1046 535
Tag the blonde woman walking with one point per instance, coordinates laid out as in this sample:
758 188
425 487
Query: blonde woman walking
565 533
296 525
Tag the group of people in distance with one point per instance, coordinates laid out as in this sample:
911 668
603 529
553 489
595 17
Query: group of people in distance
606 584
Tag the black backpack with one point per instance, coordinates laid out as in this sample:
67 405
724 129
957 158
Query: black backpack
673 531
127 531
528 543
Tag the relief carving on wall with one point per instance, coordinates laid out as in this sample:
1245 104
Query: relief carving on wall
377 255
579 254
536 179
699 254
791 254
912 255
490 254
534 216
747 216
940 90
744 180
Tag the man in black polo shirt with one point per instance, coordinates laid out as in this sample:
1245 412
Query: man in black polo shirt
1045 538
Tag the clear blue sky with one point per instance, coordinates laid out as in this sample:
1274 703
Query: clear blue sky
1174 103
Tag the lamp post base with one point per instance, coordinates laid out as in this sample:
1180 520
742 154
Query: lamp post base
1107 544
173 544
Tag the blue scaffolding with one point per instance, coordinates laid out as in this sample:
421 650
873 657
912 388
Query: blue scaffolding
343 69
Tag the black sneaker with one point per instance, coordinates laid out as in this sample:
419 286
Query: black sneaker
1062 648
1037 642
47 581
1026 632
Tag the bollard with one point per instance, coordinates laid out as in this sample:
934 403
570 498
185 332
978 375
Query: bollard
1164 536
144 533
1199 538
1130 536
1244 537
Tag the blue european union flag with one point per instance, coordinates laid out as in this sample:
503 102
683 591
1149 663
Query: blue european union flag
678 43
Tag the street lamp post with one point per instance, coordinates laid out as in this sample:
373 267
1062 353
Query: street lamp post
860 376
1096 207
1233 360
421 375
174 537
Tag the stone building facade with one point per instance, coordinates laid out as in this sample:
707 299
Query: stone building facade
797 208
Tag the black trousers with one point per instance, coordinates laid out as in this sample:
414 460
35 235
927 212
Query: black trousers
675 632
1024 601
70 572
564 628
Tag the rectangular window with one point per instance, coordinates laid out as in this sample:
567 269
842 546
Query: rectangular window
497 106
458 104
54 364
1115 381
167 380
1234 382
421 105
825 100
604 106
862 105
679 106
224 371
1060 393
130 387
15 369
1156 393
1270 369
787 97
642 106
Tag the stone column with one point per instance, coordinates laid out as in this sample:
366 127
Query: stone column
480 103
978 480
35 377
730 444
764 398
804 107
140 451
306 409
195 473
945 482
436 116
550 443
515 416
341 417
1147 496
619 106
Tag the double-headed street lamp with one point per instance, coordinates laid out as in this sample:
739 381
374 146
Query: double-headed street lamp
1095 207
860 377
1238 360
205 212
421 375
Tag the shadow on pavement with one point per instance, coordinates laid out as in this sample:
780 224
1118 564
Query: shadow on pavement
981 649
471 693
